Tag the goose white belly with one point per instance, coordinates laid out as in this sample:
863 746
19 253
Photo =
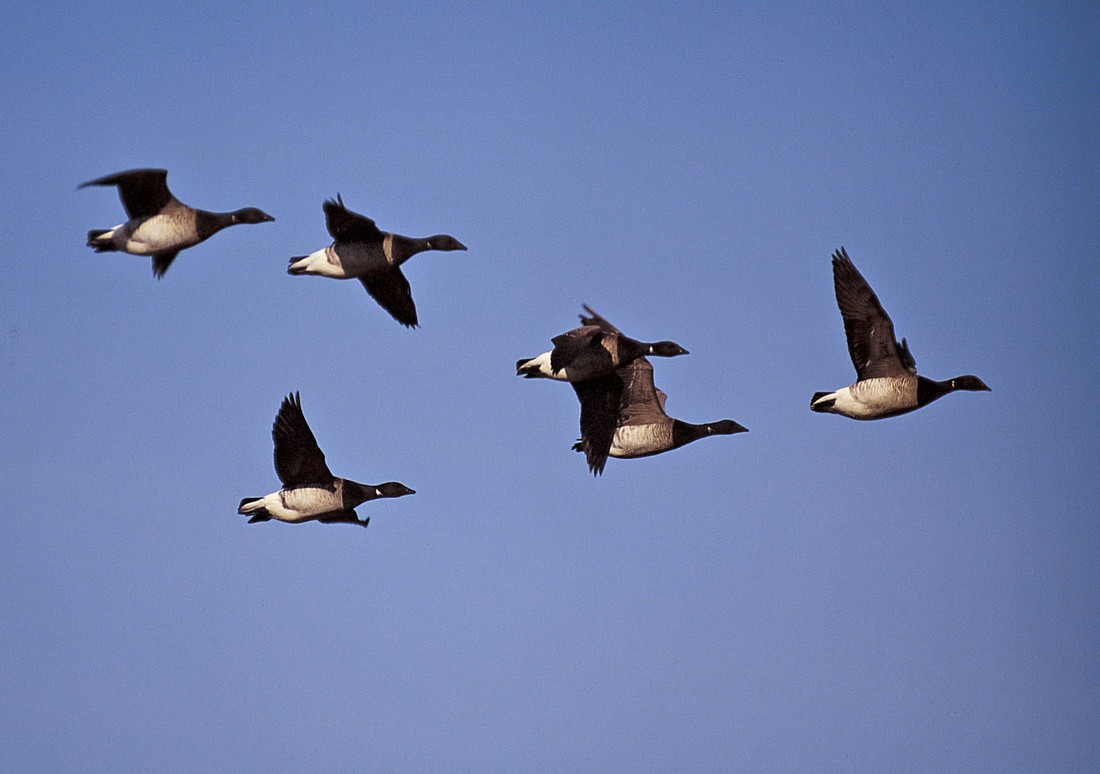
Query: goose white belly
149 236
352 260
875 398
298 504
640 440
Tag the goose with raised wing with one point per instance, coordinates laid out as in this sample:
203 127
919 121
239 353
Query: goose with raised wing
310 492
886 383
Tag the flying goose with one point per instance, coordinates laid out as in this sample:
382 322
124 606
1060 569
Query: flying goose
590 351
374 257
886 373
160 225
623 414
310 491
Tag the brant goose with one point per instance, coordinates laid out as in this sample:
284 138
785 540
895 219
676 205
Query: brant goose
361 250
309 490
160 225
623 414
590 351
886 373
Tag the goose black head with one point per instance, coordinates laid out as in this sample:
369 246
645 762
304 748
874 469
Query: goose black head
667 349
251 215
444 242
393 489
969 382
725 427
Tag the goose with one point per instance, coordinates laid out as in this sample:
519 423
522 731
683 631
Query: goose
310 491
590 351
886 383
374 257
623 414
160 225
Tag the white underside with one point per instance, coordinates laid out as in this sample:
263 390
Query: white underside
638 441
295 505
874 398
149 238
355 263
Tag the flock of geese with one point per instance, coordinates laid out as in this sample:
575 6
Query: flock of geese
622 412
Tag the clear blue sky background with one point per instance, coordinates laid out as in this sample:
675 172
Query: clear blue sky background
921 593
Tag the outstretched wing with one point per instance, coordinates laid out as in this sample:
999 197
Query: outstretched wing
600 399
597 320
641 403
144 192
392 292
625 397
871 342
298 458
347 226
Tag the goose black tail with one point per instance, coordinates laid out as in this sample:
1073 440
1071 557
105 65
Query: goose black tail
528 372
257 514
93 237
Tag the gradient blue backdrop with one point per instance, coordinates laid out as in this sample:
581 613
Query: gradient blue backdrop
818 594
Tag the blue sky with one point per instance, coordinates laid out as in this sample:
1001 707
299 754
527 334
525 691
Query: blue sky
920 593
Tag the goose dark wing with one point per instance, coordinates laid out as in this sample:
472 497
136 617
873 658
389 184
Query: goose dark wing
600 399
342 517
571 345
347 226
597 320
641 403
906 357
870 332
392 292
144 192
162 261
298 458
